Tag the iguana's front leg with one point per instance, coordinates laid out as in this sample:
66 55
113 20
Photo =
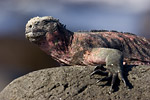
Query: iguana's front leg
114 64
99 70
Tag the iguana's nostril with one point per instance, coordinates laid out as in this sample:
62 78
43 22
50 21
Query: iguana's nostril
30 26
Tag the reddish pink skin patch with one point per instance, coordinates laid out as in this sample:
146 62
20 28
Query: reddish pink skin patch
93 58
81 42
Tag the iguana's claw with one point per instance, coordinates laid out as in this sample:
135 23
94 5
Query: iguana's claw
98 72
104 79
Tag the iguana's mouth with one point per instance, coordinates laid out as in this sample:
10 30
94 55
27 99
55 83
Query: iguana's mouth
34 36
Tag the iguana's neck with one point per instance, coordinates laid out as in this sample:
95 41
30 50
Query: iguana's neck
58 47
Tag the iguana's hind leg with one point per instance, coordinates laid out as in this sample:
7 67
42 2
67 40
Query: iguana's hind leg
122 78
114 76
111 75
114 64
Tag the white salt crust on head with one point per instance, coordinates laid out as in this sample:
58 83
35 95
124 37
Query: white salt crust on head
38 19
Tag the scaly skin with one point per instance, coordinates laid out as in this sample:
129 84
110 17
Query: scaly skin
90 48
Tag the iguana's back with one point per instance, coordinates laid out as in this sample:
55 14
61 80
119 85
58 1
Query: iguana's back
136 49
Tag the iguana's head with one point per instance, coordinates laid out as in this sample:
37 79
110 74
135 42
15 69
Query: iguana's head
37 27
47 31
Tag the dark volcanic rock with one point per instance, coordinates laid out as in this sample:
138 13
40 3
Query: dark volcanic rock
75 83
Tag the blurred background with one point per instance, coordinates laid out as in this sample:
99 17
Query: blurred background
19 57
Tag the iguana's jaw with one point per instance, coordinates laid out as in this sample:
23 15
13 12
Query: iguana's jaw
35 36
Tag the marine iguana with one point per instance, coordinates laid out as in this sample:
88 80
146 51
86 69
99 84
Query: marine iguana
103 48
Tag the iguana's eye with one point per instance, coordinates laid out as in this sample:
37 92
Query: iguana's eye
36 23
45 21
